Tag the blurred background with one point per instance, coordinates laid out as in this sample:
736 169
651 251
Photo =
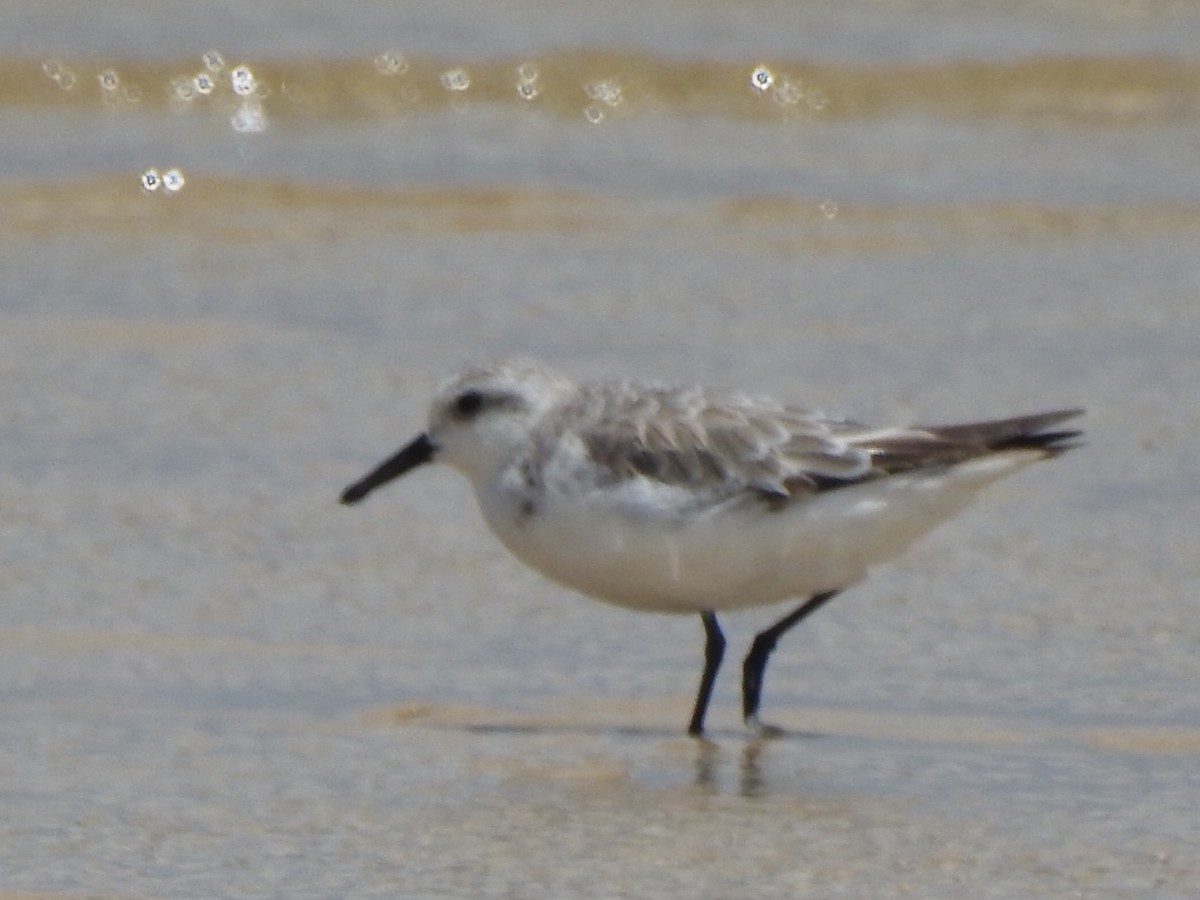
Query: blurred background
242 243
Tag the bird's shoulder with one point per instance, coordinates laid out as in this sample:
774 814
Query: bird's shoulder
712 441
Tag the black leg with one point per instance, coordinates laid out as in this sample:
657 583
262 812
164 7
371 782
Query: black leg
764 643
714 650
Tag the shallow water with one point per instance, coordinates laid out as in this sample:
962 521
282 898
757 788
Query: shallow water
215 681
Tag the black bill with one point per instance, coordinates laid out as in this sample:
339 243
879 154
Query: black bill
416 453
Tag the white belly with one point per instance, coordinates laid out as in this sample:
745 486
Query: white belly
626 551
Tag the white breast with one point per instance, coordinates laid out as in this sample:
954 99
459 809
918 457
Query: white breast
631 545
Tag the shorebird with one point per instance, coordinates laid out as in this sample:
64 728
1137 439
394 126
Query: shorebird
690 500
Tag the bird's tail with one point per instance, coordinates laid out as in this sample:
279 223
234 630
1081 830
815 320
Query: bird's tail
1033 432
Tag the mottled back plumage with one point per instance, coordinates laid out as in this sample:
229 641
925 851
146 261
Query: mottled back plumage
725 443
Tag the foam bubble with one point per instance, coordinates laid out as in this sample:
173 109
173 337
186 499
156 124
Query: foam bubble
182 89
59 74
390 63
203 83
456 79
607 91
762 78
242 80
213 61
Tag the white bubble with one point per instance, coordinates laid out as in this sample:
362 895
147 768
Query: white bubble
203 83
527 72
390 63
151 181
173 181
762 78
213 61
607 91
456 79
132 93
241 79
829 209
249 118
594 113
109 80
528 90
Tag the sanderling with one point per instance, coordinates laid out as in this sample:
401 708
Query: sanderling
689 500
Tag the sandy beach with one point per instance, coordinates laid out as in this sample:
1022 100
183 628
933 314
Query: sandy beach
215 681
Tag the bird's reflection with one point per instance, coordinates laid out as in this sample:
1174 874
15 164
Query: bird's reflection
712 759
708 758
750 778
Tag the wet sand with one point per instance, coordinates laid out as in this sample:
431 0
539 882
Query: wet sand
216 681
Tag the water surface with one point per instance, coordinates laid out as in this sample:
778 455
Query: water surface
218 682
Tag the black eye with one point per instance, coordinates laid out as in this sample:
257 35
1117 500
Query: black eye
468 403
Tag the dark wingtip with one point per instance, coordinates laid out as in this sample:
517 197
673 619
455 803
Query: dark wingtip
1052 443
1017 433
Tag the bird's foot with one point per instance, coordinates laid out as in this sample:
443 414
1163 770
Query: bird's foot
763 730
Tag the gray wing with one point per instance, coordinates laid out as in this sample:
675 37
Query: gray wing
722 446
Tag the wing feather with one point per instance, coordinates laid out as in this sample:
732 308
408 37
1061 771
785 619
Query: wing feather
723 445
